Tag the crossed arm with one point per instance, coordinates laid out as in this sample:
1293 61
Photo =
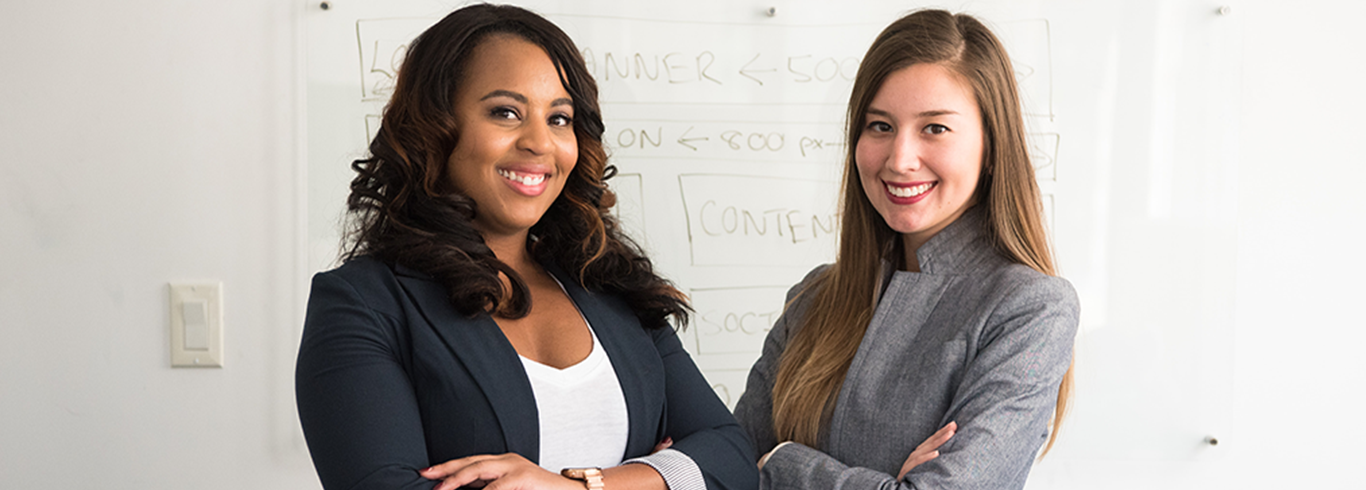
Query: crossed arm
1001 405
360 412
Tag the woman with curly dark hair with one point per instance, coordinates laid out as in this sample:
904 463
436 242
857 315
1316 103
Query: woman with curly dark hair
491 324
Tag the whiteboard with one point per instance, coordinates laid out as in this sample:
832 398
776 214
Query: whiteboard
726 123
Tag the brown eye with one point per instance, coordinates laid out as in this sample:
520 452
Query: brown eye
504 113
879 127
936 129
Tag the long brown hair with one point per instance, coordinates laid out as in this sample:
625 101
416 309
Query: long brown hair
403 211
843 298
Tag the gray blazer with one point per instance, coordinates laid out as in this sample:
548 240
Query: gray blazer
973 338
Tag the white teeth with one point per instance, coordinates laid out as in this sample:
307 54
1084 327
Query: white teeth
523 179
909 191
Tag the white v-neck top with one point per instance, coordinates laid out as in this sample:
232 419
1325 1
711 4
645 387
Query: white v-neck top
582 411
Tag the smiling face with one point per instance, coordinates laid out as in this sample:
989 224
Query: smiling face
516 136
919 155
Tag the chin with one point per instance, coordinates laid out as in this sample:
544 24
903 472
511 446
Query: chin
902 226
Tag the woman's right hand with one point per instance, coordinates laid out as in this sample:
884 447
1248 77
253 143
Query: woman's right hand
929 449
509 471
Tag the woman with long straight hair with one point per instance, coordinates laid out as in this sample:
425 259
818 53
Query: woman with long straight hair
942 319
491 325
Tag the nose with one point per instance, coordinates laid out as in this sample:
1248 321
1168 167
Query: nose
905 155
536 138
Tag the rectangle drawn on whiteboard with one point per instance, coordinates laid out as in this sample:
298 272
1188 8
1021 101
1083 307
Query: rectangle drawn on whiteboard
735 320
759 221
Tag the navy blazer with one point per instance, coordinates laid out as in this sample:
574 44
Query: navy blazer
392 379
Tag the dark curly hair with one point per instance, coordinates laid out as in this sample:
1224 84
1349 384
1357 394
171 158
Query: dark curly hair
403 212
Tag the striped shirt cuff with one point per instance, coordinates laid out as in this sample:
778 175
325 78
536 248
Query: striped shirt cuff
680 472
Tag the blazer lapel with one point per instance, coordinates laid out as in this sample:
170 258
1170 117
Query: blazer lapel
486 354
634 358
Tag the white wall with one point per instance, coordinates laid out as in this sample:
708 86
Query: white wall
1299 376
1301 366
146 142
156 141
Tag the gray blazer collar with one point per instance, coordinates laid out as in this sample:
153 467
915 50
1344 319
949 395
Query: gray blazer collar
948 252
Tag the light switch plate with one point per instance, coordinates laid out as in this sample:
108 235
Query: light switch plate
197 324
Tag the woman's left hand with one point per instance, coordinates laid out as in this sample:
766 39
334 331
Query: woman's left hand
508 471
770 452
929 449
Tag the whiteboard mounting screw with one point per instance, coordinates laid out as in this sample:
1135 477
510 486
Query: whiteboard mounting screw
771 12
325 5
1226 10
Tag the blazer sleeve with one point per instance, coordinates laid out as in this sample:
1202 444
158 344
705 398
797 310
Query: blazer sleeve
1002 405
356 404
701 426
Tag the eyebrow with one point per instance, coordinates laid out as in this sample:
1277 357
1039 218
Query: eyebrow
522 98
929 113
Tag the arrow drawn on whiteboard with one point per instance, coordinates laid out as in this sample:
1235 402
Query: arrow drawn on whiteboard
745 71
684 139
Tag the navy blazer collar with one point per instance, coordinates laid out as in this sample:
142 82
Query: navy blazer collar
633 356
486 353
494 364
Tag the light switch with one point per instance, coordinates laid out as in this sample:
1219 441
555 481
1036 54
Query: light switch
195 313
197 325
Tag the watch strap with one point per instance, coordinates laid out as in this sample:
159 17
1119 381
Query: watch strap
591 477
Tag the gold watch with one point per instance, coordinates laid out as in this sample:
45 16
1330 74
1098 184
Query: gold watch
591 477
